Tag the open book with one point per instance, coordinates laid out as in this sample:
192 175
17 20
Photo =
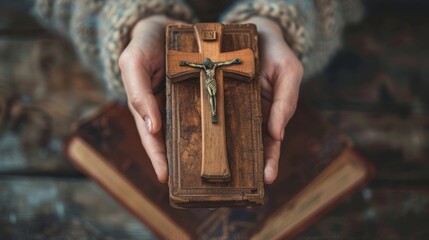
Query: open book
318 168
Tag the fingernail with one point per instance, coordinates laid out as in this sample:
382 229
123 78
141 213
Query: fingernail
162 180
283 134
148 123
268 172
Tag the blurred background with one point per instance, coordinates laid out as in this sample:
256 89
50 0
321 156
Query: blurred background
375 90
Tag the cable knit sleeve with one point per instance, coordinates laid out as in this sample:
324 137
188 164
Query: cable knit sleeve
99 29
312 28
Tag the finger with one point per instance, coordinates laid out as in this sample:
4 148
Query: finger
138 85
285 97
155 147
271 146
271 156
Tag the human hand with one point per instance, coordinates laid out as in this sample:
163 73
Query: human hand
280 78
142 65
142 68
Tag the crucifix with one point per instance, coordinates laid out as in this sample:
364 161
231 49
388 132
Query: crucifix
210 82
210 64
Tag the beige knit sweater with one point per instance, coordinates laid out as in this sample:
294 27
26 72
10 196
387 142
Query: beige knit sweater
99 29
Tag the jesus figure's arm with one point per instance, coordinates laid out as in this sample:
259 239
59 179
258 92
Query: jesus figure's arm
233 61
195 65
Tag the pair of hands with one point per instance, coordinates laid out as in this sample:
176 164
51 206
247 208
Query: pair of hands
142 65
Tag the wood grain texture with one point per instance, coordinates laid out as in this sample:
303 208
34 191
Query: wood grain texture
188 118
214 166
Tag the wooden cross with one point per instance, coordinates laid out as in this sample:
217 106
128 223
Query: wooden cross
209 38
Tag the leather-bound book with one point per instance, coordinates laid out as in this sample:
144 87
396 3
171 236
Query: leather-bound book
318 168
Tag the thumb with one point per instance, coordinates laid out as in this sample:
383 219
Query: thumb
285 97
138 85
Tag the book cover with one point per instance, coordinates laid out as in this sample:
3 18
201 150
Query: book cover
318 168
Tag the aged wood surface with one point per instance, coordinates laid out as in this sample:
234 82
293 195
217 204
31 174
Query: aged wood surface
192 140
209 39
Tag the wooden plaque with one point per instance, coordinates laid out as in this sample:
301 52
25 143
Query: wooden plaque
213 128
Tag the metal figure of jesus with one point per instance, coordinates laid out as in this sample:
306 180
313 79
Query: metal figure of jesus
210 82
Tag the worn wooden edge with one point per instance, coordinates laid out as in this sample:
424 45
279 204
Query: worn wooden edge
238 199
217 178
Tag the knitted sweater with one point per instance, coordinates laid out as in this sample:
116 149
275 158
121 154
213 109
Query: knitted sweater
100 29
